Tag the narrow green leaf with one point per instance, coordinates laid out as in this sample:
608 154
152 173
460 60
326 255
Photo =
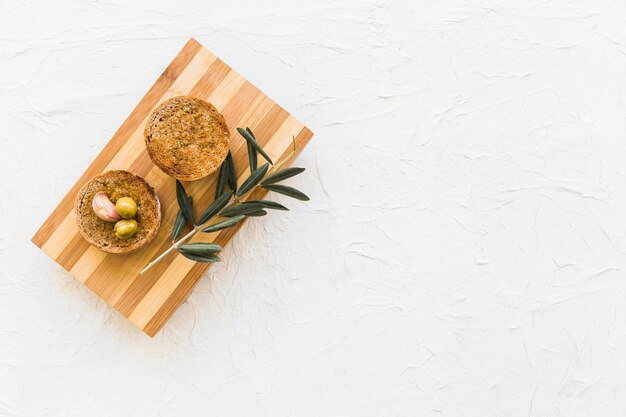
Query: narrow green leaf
201 258
252 154
241 209
179 223
216 206
257 213
252 157
282 175
268 204
224 224
247 135
221 179
253 180
286 190
201 251
184 202
232 173
200 248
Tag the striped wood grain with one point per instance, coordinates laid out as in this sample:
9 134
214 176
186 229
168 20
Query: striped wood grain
149 300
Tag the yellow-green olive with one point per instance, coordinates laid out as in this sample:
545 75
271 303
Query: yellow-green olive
125 229
126 207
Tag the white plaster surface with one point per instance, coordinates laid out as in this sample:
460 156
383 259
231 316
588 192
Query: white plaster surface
463 254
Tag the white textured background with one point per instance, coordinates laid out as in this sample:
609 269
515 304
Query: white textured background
464 252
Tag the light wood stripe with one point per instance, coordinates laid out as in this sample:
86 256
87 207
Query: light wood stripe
82 270
59 238
149 300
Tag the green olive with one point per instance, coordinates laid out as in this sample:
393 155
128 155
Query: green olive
126 207
125 229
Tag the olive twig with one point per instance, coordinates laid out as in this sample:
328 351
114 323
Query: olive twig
235 201
171 248
234 208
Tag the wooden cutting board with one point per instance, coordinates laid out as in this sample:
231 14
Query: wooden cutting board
150 299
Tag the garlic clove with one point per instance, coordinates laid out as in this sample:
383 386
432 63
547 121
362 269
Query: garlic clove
103 208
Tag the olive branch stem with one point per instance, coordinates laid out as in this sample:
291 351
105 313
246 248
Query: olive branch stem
235 200
175 245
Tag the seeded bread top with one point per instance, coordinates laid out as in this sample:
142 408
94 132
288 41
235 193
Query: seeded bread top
187 138
117 184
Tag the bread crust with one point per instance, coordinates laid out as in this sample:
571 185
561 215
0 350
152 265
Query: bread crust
187 138
118 184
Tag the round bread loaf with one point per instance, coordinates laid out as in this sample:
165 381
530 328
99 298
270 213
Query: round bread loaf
118 184
187 138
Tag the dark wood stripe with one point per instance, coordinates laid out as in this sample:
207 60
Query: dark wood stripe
234 110
210 80
117 269
269 125
152 97
73 251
